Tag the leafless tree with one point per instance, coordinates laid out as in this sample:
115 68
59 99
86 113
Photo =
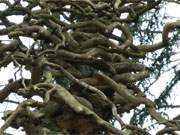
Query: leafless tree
85 73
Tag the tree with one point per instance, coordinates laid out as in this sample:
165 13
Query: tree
87 75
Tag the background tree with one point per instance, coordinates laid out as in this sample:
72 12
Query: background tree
87 75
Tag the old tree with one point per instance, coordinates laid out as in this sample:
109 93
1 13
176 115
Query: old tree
91 61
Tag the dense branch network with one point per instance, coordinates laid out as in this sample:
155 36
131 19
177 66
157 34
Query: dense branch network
84 72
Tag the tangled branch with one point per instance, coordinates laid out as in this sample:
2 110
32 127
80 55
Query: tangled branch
84 73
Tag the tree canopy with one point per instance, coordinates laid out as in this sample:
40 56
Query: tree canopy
91 61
